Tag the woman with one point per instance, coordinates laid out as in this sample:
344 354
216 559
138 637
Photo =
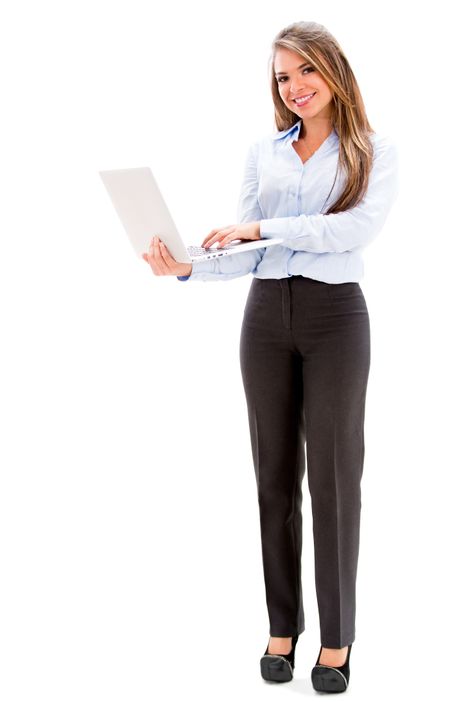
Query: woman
305 339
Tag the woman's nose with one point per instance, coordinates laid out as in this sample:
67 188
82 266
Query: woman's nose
296 87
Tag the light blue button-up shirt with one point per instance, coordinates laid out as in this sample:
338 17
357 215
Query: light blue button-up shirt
288 198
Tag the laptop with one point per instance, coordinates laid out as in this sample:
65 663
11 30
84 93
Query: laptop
143 212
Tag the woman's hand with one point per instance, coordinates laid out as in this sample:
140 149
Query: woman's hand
162 263
248 231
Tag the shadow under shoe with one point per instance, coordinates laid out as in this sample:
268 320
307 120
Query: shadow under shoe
326 678
277 667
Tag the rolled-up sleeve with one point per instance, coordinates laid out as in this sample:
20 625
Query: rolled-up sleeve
248 210
356 227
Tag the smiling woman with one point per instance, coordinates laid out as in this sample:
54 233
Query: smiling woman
303 90
323 184
330 130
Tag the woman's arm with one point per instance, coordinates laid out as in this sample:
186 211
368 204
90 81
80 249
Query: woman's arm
344 231
248 210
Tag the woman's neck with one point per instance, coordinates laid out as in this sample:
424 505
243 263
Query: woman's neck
315 132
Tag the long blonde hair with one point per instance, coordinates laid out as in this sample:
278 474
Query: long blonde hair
315 44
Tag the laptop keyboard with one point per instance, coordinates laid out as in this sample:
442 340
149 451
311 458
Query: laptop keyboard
198 250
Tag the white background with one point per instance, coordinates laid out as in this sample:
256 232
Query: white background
130 554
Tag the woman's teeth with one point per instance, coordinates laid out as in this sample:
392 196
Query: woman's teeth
302 101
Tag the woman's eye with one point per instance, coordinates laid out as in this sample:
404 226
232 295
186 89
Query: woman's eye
308 68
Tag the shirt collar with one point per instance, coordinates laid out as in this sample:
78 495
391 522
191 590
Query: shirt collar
294 132
281 135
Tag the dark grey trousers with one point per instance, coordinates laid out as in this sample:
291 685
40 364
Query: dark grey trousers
305 357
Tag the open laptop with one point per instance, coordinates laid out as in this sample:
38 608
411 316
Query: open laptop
143 212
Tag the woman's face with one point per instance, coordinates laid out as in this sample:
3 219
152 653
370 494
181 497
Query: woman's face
297 78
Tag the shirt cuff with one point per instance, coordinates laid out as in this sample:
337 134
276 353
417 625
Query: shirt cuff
273 228
199 267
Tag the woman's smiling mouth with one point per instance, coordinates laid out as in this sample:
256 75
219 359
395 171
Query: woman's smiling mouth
304 100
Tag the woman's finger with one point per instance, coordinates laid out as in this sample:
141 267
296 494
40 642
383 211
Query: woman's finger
227 241
166 259
150 261
159 261
227 236
216 234
208 241
152 257
150 249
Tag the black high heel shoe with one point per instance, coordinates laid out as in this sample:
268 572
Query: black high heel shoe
326 678
279 667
